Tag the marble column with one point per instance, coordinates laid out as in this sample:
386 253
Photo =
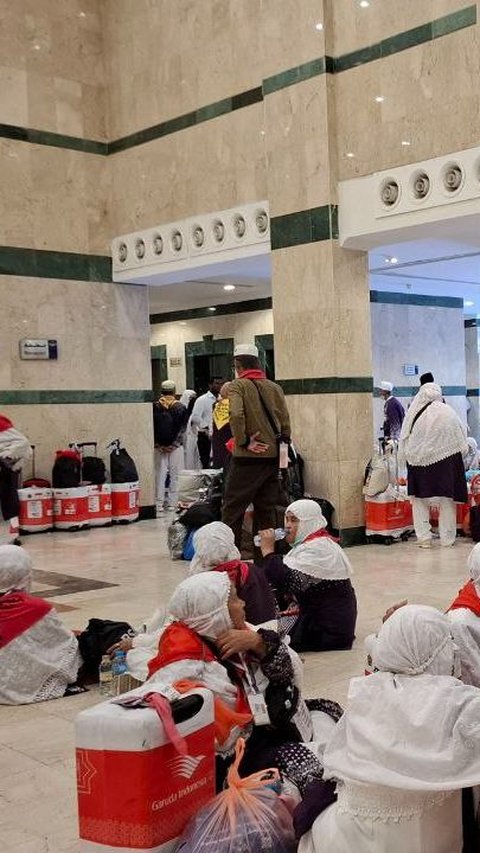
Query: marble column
320 295
472 364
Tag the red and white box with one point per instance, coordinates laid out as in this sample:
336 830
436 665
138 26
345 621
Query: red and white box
35 510
388 514
135 791
99 501
70 508
125 501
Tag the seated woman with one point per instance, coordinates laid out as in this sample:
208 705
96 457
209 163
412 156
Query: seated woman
215 549
407 744
39 656
316 573
251 675
464 615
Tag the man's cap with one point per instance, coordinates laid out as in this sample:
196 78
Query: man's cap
246 349
386 386
168 385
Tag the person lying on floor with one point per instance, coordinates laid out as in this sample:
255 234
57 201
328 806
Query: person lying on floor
215 550
251 675
316 575
407 745
39 656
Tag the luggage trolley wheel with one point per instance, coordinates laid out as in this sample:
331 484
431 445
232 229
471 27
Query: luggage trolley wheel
388 540
405 536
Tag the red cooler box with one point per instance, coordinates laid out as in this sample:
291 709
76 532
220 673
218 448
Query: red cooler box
125 501
70 508
99 505
389 515
135 791
36 510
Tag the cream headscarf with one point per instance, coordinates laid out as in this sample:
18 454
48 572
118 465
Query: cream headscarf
187 396
436 434
413 727
213 544
321 558
16 569
201 602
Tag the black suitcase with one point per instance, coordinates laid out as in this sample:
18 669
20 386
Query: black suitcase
475 523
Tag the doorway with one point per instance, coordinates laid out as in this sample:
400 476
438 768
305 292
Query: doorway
266 354
208 359
158 357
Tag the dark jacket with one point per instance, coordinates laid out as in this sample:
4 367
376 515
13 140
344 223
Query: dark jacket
169 422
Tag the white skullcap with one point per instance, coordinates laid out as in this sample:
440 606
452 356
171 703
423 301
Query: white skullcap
168 385
386 386
245 349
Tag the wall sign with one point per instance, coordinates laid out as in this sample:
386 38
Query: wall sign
176 362
410 369
38 349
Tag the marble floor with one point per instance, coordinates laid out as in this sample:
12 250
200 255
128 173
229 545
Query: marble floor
122 573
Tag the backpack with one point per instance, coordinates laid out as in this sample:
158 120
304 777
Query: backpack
377 476
167 423
122 466
94 470
66 472
96 639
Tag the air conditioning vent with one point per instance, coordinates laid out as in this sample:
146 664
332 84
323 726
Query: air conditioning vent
239 225
198 236
157 244
122 252
261 221
140 249
218 231
420 185
452 177
177 241
390 192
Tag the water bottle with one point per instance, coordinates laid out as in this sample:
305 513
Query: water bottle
119 666
279 533
105 676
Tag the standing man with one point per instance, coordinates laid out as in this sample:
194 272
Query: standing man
169 424
202 419
258 419
393 411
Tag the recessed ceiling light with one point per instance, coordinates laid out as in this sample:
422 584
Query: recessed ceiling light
406 142
212 308
394 260
37 47
262 133
364 4
391 259
350 154
229 287
319 27
82 14
379 99
468 303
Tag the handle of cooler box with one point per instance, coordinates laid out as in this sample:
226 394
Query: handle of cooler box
164 710
82 444
33 460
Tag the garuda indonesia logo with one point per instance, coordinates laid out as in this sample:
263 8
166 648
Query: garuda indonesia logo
185 765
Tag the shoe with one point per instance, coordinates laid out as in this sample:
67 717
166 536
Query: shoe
424 543
172 508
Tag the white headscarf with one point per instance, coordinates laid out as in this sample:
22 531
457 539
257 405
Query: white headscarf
186 397
201 602
437 434
321 558
213 544
16 569
412 726
473 565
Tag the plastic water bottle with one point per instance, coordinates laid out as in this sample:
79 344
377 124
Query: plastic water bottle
119 665
279 533
105 676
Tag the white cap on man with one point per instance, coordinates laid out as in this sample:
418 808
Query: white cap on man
168 385
246 349
386 386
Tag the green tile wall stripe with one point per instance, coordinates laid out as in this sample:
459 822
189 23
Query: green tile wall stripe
328 385
62 397
197 313
57 140
411 390
41 263
466 17
295 75
471 323
304 226
165 128
315 67
473 392
388 298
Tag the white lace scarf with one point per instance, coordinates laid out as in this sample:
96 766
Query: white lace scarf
436 434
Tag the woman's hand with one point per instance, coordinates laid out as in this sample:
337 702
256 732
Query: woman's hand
267 541
124 645
236 641
391 610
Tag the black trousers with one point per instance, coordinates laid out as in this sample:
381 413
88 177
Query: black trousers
251 481
204 444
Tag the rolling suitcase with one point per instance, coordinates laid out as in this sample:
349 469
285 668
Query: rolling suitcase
388 513
35 511
135 791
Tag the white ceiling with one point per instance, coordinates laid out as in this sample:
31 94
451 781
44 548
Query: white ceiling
433 267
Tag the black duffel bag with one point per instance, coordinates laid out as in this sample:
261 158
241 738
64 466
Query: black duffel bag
96 640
